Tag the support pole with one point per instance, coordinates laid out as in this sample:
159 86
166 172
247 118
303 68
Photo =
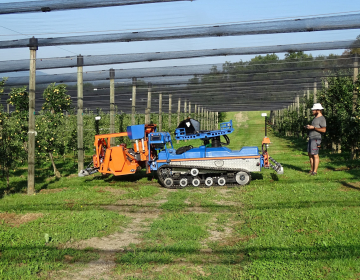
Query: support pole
33 44
308 110
195 111
178 114
133 101
160 112
354 100
198 115
185 117
80 121
148 106
207 119
112 105
216 120
189 109
297 104
315 92
202 121
170 105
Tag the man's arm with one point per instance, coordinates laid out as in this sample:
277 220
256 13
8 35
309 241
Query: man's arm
318 129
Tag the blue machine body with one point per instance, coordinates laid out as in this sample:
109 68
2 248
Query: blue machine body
163 143
136 131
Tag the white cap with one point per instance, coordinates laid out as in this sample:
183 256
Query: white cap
317 106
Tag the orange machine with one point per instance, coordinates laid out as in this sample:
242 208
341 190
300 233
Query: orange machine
121 160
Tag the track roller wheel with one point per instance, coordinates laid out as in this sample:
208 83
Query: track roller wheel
168 183
221 181
183 182
242 178
194 172
209 181
196 182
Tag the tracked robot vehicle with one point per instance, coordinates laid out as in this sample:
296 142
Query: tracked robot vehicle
210 164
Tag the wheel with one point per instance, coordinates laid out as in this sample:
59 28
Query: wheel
183 182
168 182
194 172
209 181
242 178
221 181
83 173
196 182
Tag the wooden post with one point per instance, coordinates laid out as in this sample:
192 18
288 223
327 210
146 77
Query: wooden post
308 110
185 117
195 111
33 45
112 105
80 121
178 114
207 119
315 92
170 105
189 109
297 104
160 111
304 104
199 116
216 120
133 101
148 106
213 120
202 119
8 108
354 100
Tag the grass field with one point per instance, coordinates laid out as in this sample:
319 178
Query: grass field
291 226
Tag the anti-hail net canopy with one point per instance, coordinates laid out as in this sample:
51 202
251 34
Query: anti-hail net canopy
261 85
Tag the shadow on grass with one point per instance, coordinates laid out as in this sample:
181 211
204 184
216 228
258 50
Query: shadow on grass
17 255
257 176
297 168
300 253
306 204
274 176
123 208
349 185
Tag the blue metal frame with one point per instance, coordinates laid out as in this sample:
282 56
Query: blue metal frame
161 139
225 128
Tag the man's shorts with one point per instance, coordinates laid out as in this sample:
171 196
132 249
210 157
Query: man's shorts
313 146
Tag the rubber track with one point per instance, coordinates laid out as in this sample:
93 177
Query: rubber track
161 180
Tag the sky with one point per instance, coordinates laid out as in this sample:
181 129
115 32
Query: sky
169 15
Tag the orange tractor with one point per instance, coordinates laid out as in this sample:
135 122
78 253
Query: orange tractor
120 159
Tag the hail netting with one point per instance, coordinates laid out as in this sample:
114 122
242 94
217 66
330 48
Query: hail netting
58 5
221 87
229 71
91 60
325 23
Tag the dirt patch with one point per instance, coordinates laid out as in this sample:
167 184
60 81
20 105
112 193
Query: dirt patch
52 190
228 203
110 190
224 192
16 220
240 118
119 240
107 247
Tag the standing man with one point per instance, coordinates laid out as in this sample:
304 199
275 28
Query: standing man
317 127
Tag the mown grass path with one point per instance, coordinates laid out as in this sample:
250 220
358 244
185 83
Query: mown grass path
291 226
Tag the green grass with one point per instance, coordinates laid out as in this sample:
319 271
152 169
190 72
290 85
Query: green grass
291 226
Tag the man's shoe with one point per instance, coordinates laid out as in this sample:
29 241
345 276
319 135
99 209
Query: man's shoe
313 173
